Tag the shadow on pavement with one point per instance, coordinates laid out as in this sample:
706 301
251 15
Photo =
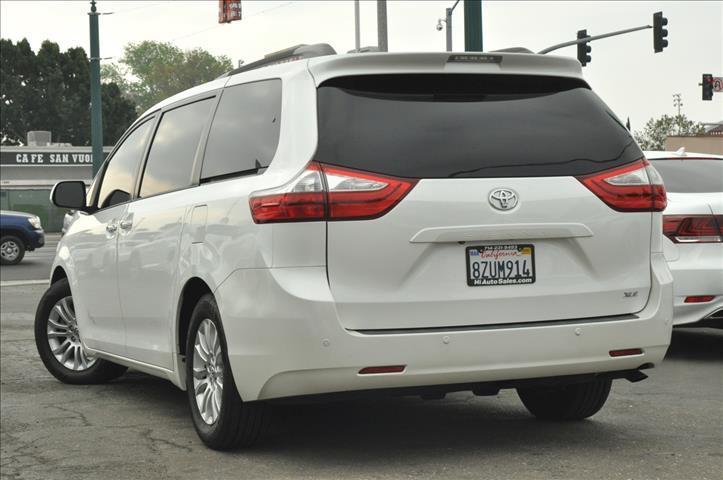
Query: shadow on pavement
403 430
696 344
349 432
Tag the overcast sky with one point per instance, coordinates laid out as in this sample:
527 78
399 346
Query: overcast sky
633 80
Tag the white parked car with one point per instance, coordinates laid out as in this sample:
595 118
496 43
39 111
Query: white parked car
416 223
693 228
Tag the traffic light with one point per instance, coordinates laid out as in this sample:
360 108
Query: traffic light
659 32
707 86
583 49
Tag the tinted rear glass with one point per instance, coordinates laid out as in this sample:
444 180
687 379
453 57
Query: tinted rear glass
170 161
440 126
245 130
691 176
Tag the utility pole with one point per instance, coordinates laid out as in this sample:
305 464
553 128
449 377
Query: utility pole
96 112
473 25
677 101
357 34
382 26
448 24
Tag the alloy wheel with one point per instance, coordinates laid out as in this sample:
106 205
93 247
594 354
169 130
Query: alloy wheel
208 371
64 338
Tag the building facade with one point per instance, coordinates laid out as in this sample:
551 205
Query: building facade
28 173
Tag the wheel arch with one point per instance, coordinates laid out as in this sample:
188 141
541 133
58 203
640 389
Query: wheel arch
191 293
58 274
15 232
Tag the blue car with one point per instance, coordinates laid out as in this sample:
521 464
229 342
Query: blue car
19 232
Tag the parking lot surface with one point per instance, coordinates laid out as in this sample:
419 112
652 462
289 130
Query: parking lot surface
35 265
667 427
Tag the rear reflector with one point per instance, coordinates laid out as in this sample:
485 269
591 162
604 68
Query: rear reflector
699 299
693 228
385 369
636 187
625 352
323 192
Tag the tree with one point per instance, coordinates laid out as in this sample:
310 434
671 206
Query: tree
50 90
657 130
150 71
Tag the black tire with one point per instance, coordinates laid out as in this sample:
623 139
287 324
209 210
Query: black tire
569 402
18 243
100 372
239 423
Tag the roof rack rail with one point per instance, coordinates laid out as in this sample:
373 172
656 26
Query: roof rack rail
291 54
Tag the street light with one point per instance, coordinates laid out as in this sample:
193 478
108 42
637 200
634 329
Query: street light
448 21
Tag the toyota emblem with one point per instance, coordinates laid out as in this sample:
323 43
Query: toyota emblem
503 199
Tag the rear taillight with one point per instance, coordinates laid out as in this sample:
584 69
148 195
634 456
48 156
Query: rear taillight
636 187
324 192
693 228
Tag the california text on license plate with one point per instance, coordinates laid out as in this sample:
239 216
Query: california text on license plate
500 265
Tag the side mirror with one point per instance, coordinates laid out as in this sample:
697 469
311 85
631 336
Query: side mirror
69 194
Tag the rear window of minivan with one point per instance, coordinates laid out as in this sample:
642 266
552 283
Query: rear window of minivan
462 125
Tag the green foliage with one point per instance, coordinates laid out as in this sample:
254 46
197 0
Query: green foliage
50 90
150 71
657 130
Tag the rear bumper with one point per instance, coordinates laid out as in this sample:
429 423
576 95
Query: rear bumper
709 314
697 271
284 339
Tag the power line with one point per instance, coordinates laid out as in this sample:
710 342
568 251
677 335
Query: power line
133 9
221 25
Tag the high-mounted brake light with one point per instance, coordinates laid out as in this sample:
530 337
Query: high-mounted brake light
324 192
693 228
636 187
384 369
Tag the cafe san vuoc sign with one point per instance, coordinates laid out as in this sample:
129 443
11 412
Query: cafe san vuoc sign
46 157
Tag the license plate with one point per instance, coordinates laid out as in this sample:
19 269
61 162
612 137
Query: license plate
500 265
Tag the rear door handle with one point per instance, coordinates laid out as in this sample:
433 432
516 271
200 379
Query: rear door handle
111 228
126 224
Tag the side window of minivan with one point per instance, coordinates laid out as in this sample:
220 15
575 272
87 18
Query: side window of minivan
170 160
120 174
245 130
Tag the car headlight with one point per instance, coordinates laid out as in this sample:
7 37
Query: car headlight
35 222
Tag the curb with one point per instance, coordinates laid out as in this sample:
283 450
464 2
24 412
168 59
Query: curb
17 283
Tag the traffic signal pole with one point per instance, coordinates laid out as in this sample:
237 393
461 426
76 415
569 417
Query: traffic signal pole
590 39
96 112
660 34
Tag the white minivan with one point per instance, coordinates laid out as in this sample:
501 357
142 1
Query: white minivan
316 225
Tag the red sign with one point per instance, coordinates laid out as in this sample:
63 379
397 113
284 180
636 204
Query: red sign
718 84
229 11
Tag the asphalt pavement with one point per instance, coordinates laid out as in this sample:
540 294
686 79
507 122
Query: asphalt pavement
35 266
138 427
